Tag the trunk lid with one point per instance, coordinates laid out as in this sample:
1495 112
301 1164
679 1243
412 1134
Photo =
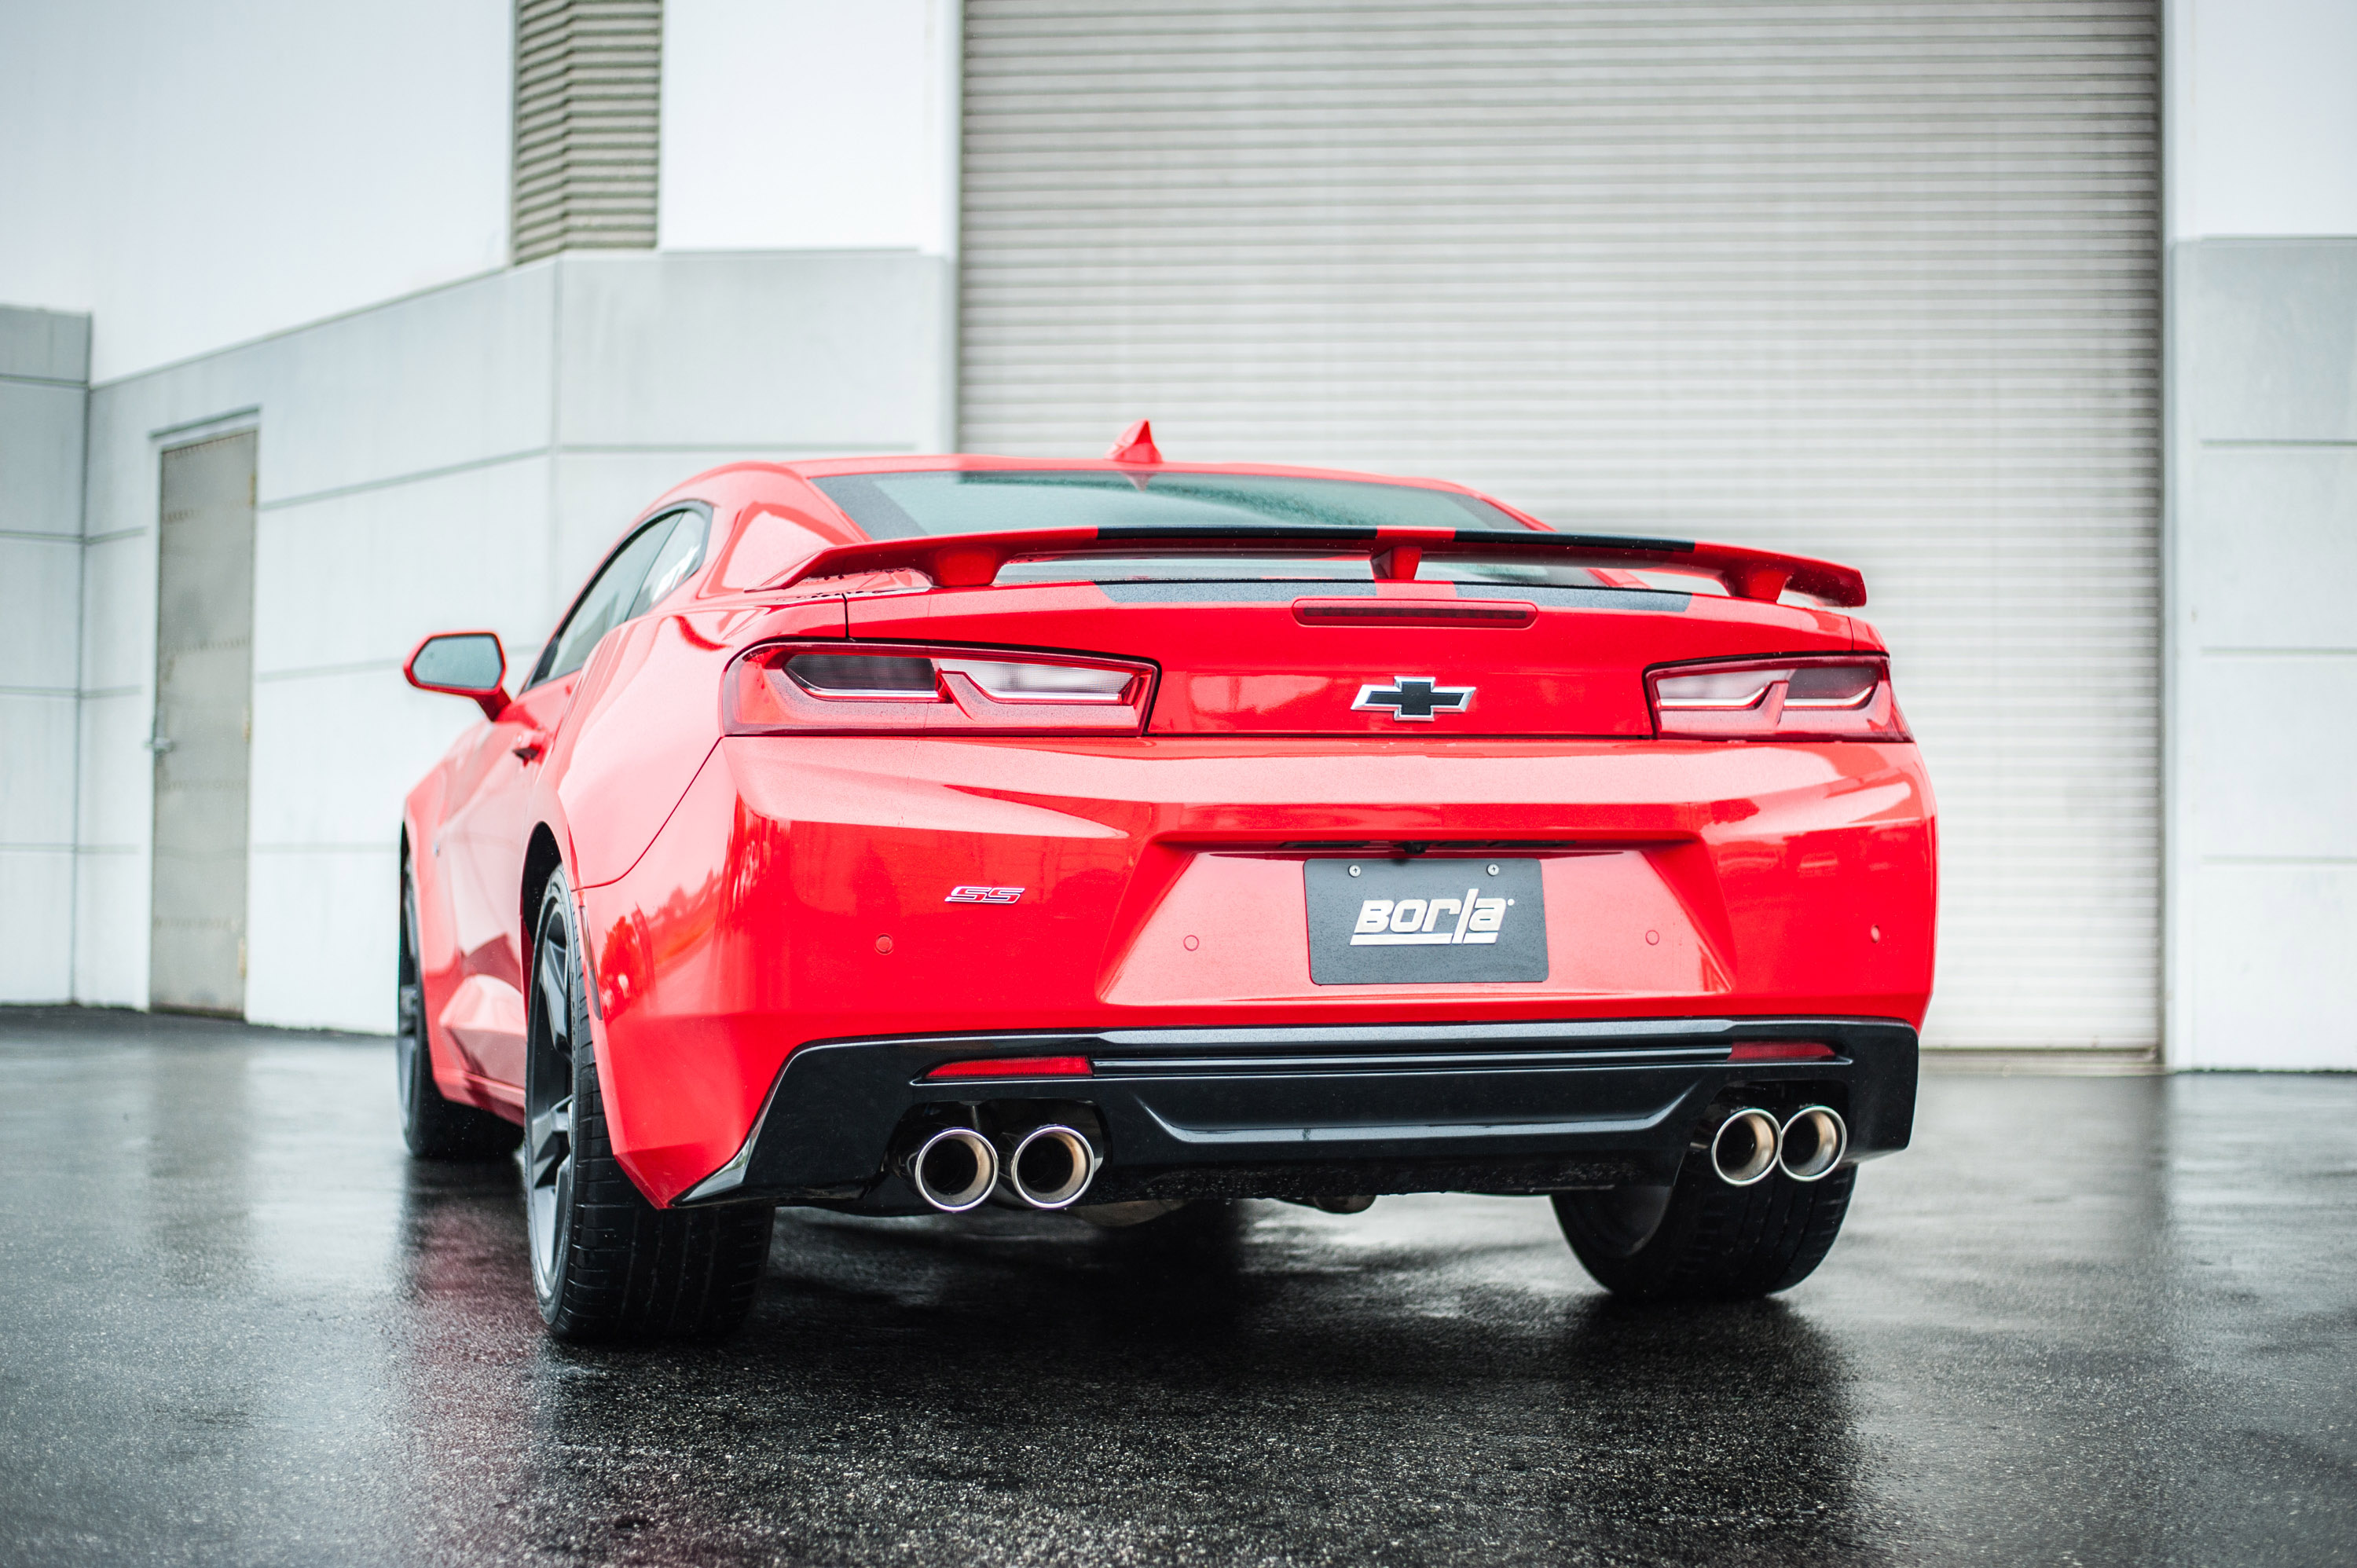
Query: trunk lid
1399 660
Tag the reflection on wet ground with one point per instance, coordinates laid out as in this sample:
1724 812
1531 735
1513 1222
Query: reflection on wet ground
2103 1320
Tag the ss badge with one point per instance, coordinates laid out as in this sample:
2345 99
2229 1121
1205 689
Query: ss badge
976 894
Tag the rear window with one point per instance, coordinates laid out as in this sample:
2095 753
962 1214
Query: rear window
907 505
902 506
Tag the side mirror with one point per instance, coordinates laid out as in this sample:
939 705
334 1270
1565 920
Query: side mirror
463 664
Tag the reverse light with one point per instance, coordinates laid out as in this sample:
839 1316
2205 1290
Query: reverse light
1015 1067
802 687
1833 697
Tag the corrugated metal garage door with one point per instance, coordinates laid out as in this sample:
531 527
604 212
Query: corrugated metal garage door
1874 280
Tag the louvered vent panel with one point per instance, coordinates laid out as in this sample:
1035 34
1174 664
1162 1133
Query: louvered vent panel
588 91
1876 281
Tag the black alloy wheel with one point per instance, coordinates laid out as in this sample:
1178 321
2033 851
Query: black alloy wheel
606 1263
548 1074
433 1127
1700 1239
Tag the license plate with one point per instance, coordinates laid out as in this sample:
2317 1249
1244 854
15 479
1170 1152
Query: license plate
1389 922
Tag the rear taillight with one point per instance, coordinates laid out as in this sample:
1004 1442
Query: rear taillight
1836 697
802 687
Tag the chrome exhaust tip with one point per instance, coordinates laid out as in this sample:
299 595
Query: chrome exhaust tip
954 1169
1050 1167
1812 1143
1743 1150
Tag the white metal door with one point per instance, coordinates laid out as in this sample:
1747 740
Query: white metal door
204 722
1880 283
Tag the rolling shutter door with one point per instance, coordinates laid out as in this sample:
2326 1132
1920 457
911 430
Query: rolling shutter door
1880 283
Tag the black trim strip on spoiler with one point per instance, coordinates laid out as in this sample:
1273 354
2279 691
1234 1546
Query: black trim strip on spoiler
972 560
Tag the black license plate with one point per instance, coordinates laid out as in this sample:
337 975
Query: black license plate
1390 922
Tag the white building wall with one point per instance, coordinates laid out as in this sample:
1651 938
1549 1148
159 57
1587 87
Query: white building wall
460 455
195 176
44 364
797 124
455 459
2262 643
295 218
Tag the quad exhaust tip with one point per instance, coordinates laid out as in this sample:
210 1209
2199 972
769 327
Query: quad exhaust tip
1050 1167
1812 1143
954 1169
1743 1150
1750 1146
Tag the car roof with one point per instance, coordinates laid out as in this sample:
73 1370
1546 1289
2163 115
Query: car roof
744 476
977 463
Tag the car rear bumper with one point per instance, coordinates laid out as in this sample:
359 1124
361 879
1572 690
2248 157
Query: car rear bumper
1318 1111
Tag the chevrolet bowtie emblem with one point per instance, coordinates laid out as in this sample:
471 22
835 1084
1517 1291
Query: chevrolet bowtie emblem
1415 697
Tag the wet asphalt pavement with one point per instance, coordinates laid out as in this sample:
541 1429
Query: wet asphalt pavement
2085 1320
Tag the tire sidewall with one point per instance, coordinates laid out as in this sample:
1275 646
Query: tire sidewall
549 1281
1714 1241
412 1060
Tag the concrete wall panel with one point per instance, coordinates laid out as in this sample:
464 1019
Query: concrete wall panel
381 734
35 924
448 461
2263 647
835 351
2263 127
44 360
45 345
463 375
40 613
119 613
118 774
41 455
37 794
2275 769
2275 550
451 551
109 943
2269 329
861 154
321 936
2274 987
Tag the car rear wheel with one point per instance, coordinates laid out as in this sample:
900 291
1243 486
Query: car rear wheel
606 1263
1702 1239
434 1127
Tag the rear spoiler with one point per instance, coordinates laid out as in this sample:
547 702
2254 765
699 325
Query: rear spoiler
972 560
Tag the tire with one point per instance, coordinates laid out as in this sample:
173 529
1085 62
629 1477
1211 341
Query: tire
1701 1239
434 1128
607 1265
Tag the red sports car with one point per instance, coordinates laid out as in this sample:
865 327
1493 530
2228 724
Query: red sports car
901 834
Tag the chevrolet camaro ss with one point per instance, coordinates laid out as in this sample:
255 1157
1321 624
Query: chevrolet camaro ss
898 835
